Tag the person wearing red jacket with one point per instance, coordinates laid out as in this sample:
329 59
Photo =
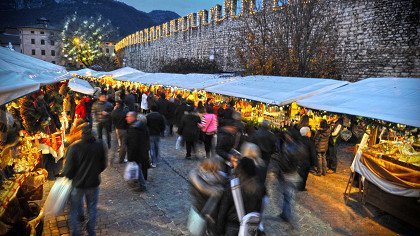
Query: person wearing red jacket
80 109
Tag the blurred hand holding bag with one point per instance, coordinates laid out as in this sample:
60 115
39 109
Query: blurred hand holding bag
58 196
131 172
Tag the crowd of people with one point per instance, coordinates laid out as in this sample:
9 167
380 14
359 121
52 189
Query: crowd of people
233 152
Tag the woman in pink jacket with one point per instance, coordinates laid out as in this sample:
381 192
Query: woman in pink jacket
209 127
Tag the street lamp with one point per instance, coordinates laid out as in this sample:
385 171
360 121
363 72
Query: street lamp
76 41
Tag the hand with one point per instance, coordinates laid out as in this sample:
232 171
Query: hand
104 113
233 160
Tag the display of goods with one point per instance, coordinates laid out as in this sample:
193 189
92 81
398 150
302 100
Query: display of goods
398 151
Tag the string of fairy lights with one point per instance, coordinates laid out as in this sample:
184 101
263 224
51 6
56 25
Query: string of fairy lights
193 20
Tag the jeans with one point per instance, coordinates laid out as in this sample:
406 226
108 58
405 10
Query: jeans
107 127
288 191
122 137
142 181
154 143
322 162
332 157
76 208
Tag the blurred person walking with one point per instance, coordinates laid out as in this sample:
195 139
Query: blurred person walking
306 163
209 128
138 146
102 110
156 125
144 105
118 117
130 101
189 130
85 161
333 143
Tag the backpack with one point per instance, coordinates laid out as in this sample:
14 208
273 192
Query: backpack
250 222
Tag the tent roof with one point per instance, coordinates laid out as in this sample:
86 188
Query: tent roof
391 99
275 90
186 81
21 74
81 86
122 71
86 72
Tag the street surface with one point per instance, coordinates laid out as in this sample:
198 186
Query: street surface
164 208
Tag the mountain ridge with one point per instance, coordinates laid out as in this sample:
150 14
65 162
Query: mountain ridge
18 13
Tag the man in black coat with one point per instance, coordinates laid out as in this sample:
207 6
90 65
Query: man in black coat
85 160
305 163
138 146
118 116
156 125
130 100
180 110
266 141
163 107
102 110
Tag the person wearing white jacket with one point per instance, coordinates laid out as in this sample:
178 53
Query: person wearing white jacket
144 107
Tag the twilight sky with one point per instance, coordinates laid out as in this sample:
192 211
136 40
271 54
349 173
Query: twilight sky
182 7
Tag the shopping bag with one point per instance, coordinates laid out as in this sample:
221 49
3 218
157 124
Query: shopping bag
58 196
196 223
179 143
131 171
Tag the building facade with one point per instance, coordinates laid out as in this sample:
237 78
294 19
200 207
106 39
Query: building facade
38 41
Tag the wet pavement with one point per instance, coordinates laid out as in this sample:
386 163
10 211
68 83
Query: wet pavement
163 209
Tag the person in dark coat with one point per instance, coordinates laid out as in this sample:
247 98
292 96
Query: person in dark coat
102 110
229 110
333 143
321 139
138 146
266 141
179 111
207 181
171 118
118 117
163 105
85 161
189 130
156 125
253 193
130 101
304 164
151 100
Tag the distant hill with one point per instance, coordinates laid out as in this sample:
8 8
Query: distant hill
16 13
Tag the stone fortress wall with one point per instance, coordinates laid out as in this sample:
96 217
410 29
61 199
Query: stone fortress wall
377 38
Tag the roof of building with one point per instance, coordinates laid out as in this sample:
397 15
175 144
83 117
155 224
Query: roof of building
40 26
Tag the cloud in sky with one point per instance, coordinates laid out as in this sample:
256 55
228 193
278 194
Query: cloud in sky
182 7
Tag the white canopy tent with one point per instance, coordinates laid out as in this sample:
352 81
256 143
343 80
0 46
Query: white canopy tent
21 74
390 99
88 73
122 71
184 81
81 86
275 90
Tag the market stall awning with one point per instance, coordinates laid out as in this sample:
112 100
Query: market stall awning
81 86
390 99
88 73
21 74
122 71
275 90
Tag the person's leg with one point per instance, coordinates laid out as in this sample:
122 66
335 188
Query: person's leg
99 127
142 182
76 203
288 193
324 164
91 202
188 146
123 147
154 148
117 132
108 133
207 144
319 163
171 127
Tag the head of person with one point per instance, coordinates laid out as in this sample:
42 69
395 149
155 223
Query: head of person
154 108
246 168
200 104
304 121
179 96
323 124
102 97
119 103
171 99
209 100
162 95
210 110
305 131
231 103
131 117
265 124
211 165
142 118
190 108
236 116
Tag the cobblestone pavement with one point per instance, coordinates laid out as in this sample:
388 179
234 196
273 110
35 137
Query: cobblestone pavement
164 208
